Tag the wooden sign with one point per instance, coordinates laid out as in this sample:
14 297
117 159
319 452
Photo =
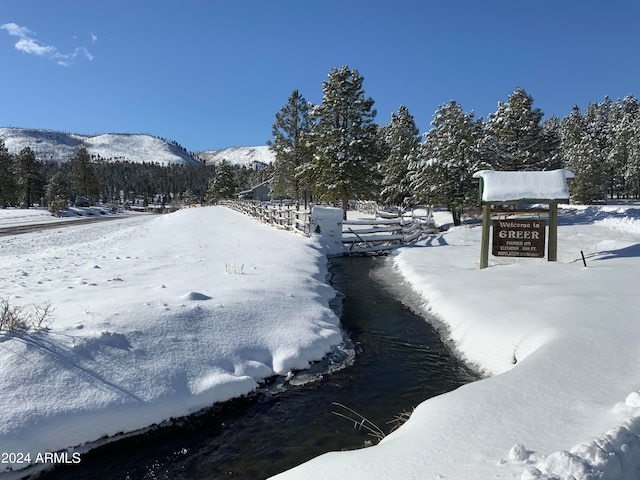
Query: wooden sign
519 238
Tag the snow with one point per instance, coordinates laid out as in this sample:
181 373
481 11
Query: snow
13 216
558 343
251 157
155 317
40 215
137 148
62 146
499 186
158 316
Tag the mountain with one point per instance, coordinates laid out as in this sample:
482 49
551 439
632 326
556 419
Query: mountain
61 146
138 148
251 157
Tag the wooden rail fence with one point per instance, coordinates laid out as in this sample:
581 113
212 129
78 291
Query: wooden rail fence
369 236
287 217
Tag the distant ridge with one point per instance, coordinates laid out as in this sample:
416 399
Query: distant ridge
250 157
51 145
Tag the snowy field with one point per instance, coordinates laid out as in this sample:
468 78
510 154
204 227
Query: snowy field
154 317
159 316
29 216
23 216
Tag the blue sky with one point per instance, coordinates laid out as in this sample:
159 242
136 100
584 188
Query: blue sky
212 74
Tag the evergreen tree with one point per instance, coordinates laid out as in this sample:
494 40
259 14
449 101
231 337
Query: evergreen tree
223 185
402 142
8 185
58 186
625 145
83 178
520 142
344 165
580 155
450 155
58 204
188 198
598 129
27 169
291 147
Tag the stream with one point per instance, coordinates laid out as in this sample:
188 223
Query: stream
392 361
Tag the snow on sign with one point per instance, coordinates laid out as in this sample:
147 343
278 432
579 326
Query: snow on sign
519 238
518 188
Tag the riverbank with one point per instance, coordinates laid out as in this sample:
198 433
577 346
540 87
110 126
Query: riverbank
152 317
559 342
400 361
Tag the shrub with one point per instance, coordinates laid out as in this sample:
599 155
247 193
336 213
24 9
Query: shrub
15 318
58 205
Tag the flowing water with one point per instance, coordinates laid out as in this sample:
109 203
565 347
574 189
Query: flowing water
393 361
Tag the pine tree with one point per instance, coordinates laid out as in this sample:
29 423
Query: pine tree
450 155
580 155
625 144
27 169
520 142
188 198
402 142
223 185
598 128
344 166
58 186
291 135
8 185
83 178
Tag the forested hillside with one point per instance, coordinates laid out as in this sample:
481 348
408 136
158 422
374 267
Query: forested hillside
58 147
36 166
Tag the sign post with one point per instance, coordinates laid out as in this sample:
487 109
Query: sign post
517 237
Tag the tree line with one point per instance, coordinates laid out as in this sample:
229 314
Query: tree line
26 181
335 152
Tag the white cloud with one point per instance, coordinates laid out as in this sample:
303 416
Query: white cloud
28 44
66 59
94 38
16 30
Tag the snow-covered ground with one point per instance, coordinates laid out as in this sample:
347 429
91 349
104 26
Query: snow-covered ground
560 344
154 317
29 216
158 316
22 216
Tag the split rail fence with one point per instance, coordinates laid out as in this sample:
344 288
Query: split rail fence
367 236
287 217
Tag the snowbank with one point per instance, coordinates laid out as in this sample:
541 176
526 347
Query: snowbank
155 317
559 343
21 216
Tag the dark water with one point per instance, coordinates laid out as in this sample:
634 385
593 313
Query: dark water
399 362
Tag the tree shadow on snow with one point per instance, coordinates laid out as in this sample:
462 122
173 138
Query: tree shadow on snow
67 359
627 252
